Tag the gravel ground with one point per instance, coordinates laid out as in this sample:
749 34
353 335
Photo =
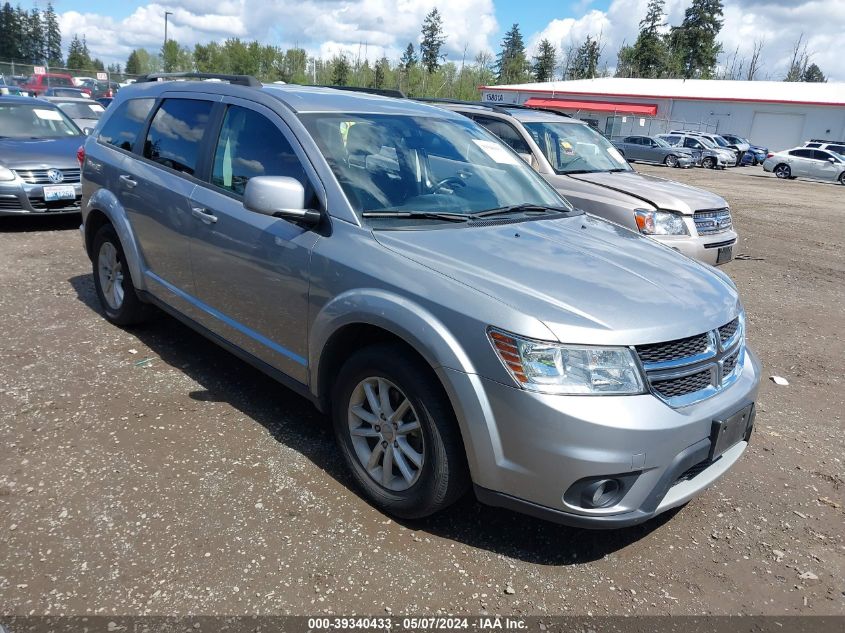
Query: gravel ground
145 471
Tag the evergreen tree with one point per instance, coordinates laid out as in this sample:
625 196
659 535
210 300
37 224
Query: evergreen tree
78 57
32 46
432 41
409 57
545 61
52 37
140 62
8 43
625 62
511 63
650 54
341 69
813 74
380 71
693 48
586 60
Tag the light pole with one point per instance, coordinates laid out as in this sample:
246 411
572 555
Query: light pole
164 48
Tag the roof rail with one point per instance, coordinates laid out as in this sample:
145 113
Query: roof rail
384 92
493 107
824 140
240 80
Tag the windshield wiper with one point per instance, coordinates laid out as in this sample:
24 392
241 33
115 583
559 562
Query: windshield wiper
418 215
520 208
578 171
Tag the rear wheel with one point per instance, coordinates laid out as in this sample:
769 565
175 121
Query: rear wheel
671 161
842 178
397 432
113 280
783 171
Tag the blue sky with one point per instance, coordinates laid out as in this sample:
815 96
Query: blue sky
384 27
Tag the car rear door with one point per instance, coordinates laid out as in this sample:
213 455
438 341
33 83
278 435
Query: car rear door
252 270
156 187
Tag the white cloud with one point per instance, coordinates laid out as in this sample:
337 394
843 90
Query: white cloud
322 27
778 23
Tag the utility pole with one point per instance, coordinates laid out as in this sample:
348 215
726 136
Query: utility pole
164 48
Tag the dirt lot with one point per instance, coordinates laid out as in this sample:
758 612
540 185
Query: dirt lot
148 472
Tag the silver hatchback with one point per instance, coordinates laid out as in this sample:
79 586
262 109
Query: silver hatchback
401 268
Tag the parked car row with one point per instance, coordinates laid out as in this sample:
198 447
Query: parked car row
414 270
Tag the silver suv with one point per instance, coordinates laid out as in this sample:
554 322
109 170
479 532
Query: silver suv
409 274
594 176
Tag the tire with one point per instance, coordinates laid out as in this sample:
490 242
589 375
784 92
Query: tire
671 161
842 178
438 474
783 171
708 162
113 281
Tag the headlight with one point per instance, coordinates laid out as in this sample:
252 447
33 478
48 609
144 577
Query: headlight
567 369
660 222
6 174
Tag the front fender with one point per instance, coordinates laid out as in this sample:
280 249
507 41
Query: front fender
105 202
394 313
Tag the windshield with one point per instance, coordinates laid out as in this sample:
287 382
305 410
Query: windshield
34 121
573 148
706 142
720 141
424 164
660 142
77 110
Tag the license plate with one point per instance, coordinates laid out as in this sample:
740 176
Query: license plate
727 433
725 254
61 192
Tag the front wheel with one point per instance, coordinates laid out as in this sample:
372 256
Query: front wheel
113 280
783 171
397 432
709 163
671 161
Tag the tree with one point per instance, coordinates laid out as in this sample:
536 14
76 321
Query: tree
586 60
693 48
380 71
649 55
10 33
754 62
511 63
78 57
32 46
52 37
813 74
545 61
140 62
626 65
432 41
409 57
341 69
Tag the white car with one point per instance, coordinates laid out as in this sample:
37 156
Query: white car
837 147
807 162
80 82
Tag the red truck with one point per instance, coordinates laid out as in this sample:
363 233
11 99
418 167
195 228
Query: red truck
37 84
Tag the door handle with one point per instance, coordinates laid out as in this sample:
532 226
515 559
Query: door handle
203 214
127 180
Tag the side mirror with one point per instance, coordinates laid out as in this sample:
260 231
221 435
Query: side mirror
279 196
529 158
831 159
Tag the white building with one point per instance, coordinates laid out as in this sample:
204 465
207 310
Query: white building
774 114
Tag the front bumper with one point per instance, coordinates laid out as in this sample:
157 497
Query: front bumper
704 248
21 198
527 449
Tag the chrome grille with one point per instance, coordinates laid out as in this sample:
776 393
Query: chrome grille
688 370
712 221
680 348
40 177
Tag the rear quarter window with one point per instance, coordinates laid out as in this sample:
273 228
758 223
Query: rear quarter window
125 123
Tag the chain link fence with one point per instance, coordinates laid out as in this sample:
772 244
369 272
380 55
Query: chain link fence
14 71
621 125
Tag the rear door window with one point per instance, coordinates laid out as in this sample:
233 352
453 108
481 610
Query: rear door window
123 126
802 153
176 133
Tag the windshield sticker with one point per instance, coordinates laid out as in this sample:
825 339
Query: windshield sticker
47 115
496 152
567 147
97 108
615 154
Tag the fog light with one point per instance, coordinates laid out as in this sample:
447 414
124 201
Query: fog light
601 493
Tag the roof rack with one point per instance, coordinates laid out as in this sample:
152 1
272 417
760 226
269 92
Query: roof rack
824 140
384 92
240 80
493 107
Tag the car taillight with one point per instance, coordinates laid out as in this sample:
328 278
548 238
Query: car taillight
769 155
109 94
80 155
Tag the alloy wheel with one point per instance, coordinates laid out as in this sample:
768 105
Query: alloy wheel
671 160
782 171
386 433
110 270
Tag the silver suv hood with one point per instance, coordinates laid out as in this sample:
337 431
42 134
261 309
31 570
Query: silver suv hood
588 280
659 192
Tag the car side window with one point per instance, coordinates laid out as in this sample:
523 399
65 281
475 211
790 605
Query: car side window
802 153
176 133
822 155
813 145
506 132
126 122
251 145
691 142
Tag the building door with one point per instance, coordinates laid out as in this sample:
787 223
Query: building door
777 131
